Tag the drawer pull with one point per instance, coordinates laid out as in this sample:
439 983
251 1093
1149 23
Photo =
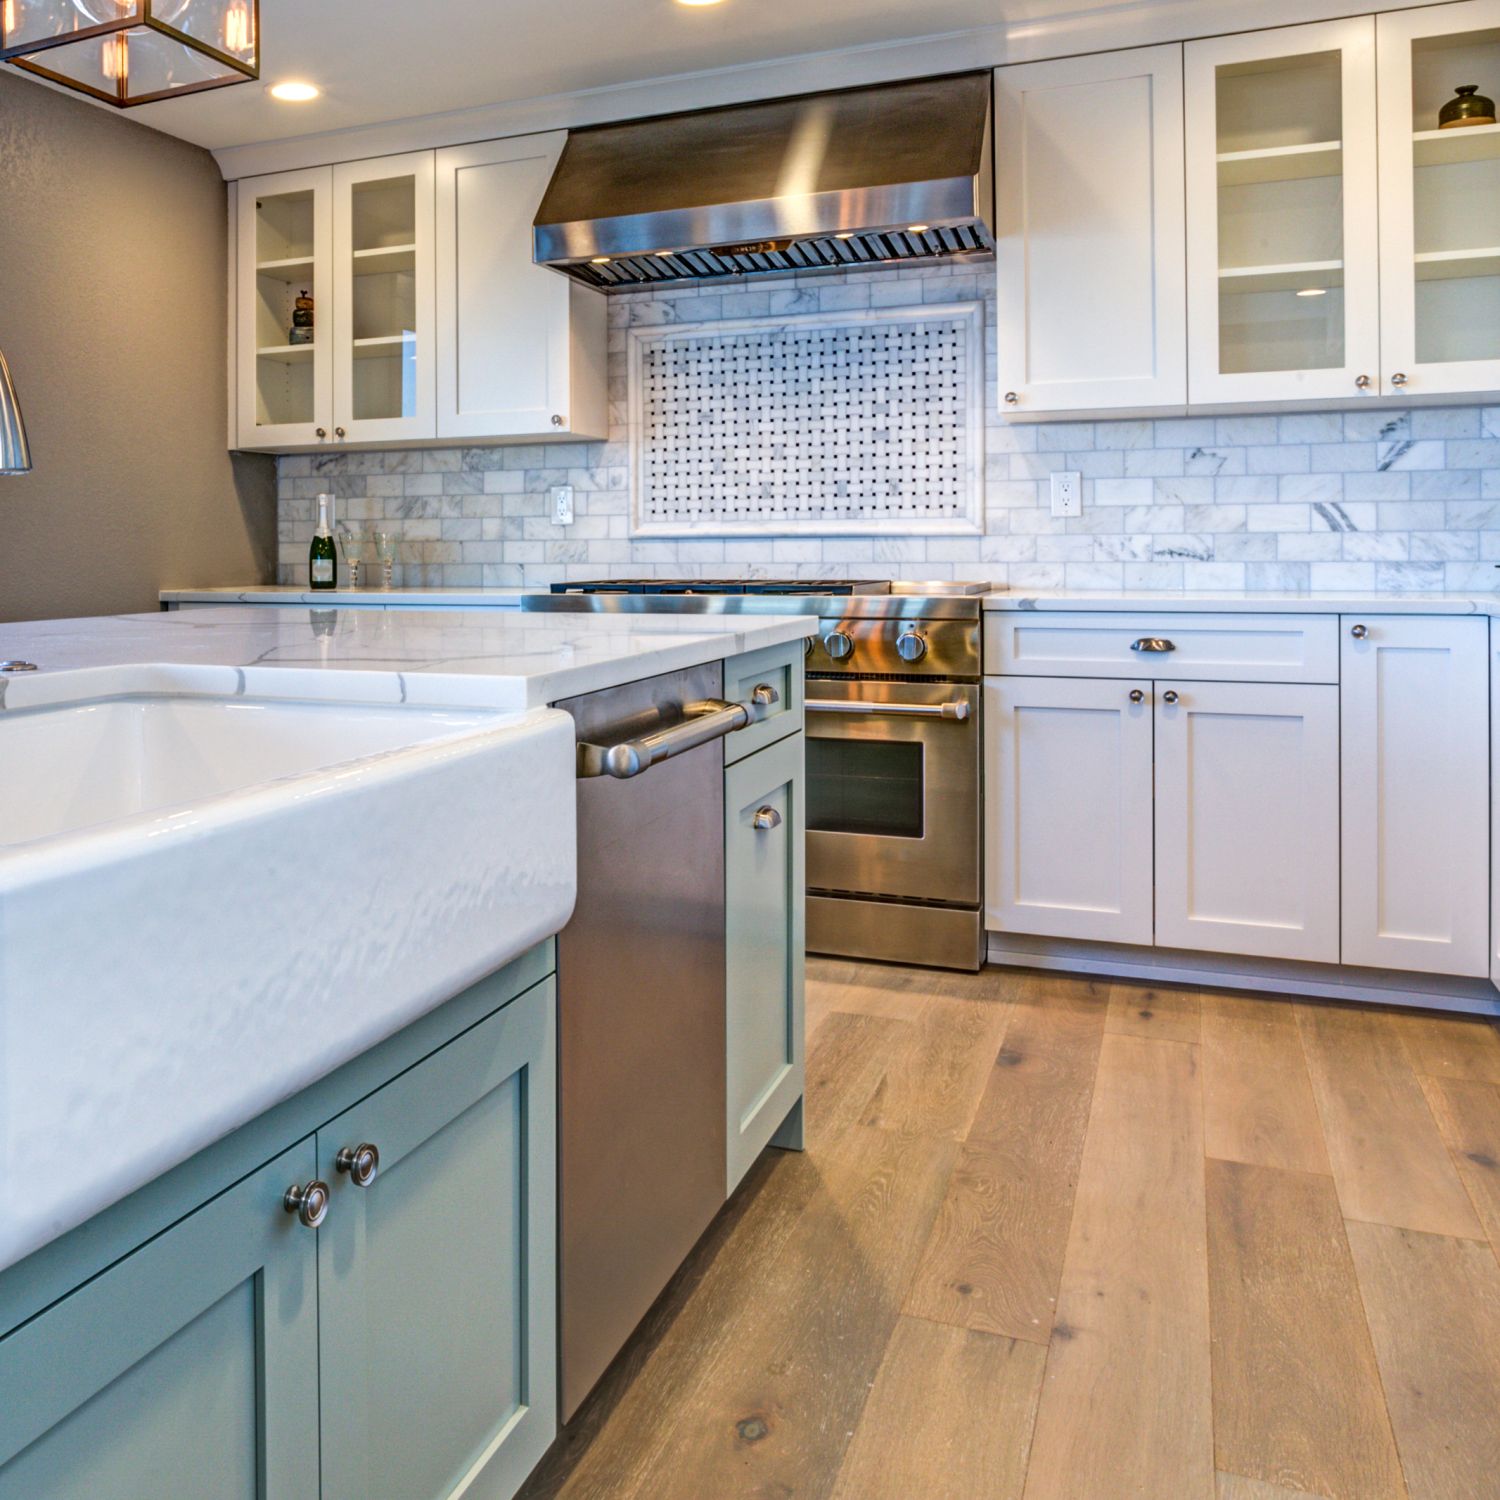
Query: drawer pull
1137 696
361 1162
1152 643
1169 696
310 1203
1359 632
766 818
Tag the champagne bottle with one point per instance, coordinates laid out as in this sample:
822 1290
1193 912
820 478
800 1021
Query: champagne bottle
322 560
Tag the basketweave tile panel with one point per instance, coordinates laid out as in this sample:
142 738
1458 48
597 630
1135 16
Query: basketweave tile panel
1356 499
854 423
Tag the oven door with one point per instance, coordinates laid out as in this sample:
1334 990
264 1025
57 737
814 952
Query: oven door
893 789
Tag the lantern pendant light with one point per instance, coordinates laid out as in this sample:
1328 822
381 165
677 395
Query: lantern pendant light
128 52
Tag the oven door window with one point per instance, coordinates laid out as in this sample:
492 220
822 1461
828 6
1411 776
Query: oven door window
865 787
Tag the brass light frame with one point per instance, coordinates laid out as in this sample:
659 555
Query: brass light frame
24 55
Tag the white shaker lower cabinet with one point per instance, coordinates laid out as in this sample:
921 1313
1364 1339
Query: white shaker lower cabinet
1416 794
1247 819
1068 795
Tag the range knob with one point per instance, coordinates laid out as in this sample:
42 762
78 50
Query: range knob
838 645
910 646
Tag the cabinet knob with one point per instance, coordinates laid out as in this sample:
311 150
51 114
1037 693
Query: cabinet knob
1169 696
1137 696
1359 632
1398 380
361 1162
310 1203
339 432
839 644
1011 399
1363 382
766 818
559 421
1153 645
911 646
322 432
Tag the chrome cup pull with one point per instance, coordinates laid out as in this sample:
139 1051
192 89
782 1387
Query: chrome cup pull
764 696
1154 644
765 819
309 1203
361 1162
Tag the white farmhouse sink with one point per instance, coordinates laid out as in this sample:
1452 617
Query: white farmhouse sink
208 902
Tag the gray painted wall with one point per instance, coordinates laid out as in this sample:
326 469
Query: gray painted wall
112 315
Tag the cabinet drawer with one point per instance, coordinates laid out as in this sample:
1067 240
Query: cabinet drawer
778 667
1206 648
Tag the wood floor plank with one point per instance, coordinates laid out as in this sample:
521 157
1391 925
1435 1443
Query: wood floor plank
1433 1305
1237 1487
1125 1407
1452 1046
1468 1116
1169 1015
1257 1098
845 1062
1297 1396
949 1418
996 1251
1388 1160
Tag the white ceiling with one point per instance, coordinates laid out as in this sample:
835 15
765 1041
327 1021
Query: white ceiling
383 60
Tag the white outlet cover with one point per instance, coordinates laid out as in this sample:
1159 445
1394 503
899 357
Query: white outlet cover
562 505
1067 493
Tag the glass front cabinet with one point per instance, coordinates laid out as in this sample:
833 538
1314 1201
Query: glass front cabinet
1341 239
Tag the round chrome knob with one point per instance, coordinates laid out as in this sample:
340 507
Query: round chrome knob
1011 399
766 818
339 432
322 432
361 1162
310 1203
1363 382
1137 696
1398 380
559 421
911 647
839 644
1359 632
1169 696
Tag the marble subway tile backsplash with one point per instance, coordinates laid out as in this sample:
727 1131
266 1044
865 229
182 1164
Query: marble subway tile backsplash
1355 499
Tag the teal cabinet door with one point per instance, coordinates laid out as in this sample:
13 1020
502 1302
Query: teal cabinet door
765 932
189 1368
437 1301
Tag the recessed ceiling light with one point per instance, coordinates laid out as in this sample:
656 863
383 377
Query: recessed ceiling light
1313 291
294 93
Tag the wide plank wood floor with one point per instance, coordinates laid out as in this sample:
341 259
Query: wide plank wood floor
1055 1239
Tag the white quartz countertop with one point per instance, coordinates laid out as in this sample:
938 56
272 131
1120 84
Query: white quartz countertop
1267 603
402 598
482 658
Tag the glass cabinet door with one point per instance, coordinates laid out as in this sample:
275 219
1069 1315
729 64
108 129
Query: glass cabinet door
383 315
1440 200
1283 255
284 277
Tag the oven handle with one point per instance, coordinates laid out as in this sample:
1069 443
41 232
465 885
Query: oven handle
955 710
711 719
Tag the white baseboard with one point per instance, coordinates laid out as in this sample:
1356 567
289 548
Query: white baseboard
1271 976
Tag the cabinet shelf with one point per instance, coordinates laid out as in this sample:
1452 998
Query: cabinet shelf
298 268
1442 148
286 354
1455 265
1294 277
1281 163
384 259
388 346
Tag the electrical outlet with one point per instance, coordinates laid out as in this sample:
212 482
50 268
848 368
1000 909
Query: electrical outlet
562 505
1067 492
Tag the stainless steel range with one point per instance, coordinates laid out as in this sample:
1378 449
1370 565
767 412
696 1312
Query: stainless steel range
893 752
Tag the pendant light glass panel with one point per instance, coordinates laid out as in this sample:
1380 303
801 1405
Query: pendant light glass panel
133 51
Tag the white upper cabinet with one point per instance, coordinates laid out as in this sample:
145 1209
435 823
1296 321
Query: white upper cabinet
523 347
1282 215
384 323
284 248
1090 234
1439 202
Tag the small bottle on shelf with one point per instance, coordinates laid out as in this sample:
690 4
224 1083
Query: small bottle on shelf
322 559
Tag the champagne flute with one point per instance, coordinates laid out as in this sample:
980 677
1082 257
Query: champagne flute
385 550
353 545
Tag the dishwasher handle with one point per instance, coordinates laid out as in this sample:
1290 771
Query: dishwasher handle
958 709
711 719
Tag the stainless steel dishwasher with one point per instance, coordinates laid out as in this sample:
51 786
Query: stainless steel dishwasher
641 1098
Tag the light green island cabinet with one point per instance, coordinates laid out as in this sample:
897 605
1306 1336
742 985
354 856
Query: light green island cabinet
207 1343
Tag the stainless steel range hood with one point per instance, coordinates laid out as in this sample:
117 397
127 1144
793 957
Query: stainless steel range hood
862 177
